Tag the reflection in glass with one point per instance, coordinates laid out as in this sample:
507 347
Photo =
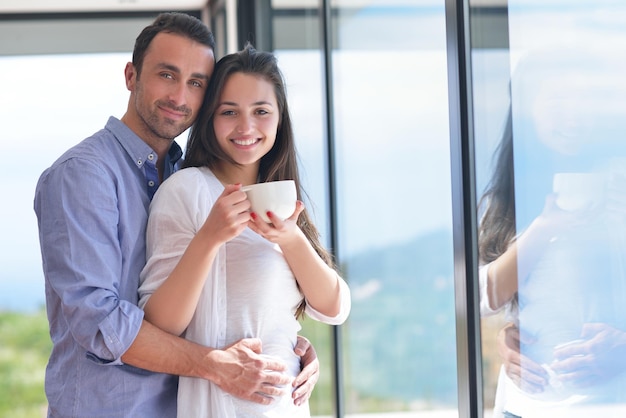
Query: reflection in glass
552 236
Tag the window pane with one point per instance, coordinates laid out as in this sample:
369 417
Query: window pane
45 122
553 224
393 182
302 72
295 34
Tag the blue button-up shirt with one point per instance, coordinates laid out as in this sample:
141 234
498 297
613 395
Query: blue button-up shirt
92 209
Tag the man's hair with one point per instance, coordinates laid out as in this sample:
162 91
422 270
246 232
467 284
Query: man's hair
172 22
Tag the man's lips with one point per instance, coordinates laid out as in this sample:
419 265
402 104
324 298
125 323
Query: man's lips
175 113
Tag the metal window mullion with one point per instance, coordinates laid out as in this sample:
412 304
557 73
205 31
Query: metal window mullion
469 358
327 48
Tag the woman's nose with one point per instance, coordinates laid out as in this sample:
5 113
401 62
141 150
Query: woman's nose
244 124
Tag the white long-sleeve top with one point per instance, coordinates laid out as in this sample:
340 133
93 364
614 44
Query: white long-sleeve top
250 292
485 304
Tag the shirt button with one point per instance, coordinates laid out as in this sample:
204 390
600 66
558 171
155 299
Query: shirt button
151 157
139 162
151 183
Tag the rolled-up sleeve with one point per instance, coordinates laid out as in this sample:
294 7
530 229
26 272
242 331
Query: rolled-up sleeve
344 310
85 259
485 305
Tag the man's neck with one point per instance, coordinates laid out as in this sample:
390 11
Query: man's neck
159 145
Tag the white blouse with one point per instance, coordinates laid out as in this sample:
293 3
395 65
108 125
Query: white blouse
250 292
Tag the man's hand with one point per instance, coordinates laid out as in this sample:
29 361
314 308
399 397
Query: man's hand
305 382
240 371
527 375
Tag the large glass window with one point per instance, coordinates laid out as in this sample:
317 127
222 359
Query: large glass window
551 176
548 106
296 43
64 79
393 183
43 124
50 101
390 146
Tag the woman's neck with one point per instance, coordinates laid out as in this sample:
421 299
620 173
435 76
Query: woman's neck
231 174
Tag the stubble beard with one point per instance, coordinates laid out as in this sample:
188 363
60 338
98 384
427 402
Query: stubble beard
160 127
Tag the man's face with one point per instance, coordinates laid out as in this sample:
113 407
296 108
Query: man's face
166 96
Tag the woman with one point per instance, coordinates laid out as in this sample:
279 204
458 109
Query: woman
216 271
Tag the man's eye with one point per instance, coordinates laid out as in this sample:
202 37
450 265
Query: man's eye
196 83
166 75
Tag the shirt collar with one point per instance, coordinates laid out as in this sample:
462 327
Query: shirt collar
138 150
175 153
174 160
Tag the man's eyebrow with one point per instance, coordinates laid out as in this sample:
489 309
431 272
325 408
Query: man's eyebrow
175 69
200 75
167 66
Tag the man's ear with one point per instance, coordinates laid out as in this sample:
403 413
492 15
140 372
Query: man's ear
130 75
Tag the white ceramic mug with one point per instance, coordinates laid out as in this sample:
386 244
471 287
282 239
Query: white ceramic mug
278 197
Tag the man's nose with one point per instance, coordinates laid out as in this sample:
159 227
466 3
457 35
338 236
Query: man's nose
178 94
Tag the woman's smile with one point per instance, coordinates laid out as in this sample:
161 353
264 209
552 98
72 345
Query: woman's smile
245 142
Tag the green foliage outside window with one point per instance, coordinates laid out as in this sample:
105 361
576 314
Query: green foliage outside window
24 350
25 346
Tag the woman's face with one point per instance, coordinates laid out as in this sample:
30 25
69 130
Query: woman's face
246 118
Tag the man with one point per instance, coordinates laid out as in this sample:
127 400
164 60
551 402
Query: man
92 207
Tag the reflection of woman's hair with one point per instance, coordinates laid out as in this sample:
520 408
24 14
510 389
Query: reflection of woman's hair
497 226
